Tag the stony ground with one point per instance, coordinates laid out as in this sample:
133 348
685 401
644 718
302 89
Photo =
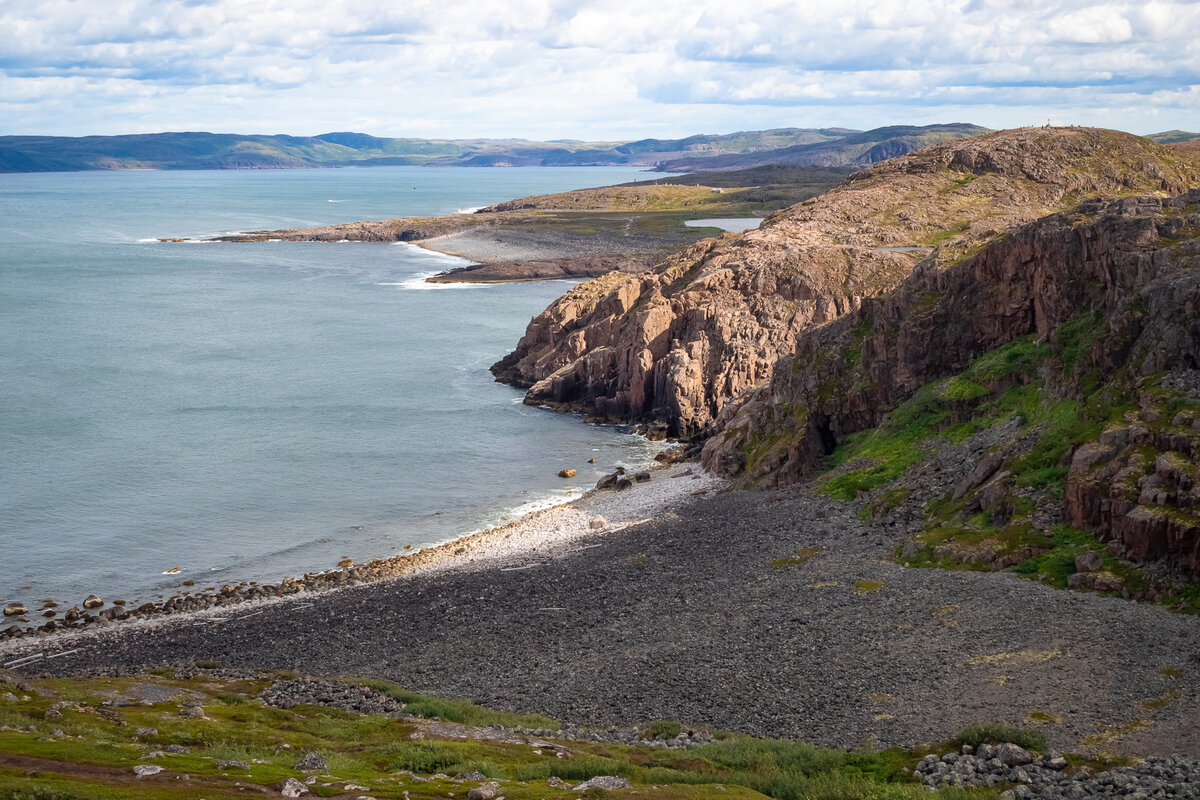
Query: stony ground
684 617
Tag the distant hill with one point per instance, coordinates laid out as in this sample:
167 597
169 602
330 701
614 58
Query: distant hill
1168 137
826 147
851 148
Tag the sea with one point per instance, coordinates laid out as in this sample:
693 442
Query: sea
255 411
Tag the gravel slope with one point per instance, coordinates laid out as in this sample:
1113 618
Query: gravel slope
683 617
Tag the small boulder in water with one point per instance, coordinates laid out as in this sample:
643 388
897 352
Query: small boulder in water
15 609
92 602
566 473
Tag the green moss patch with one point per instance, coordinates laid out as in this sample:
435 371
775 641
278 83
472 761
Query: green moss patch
801 556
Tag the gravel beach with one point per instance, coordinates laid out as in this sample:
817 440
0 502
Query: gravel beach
674 611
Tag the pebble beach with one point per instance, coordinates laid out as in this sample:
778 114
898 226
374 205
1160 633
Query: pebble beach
690 604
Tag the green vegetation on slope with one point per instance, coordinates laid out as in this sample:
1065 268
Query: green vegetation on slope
88 752
993 527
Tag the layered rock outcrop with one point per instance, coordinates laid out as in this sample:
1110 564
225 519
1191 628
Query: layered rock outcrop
672 346
1131 265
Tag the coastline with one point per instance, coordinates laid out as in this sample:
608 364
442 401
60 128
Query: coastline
642 621
542 534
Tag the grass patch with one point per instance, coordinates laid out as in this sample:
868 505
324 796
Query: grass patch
461 711
368 750
668 729
999 733
802 556
868 587
1045 718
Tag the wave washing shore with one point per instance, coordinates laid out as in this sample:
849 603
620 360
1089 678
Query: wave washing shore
540 534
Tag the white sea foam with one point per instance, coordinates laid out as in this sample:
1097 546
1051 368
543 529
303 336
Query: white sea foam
468 210
417 283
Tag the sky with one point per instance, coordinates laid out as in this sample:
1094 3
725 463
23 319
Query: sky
613 70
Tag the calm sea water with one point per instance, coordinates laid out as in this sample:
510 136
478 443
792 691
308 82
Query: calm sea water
251 411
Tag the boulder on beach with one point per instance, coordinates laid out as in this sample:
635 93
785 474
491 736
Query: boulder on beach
597 522
566 473
624 484
608 481
642 477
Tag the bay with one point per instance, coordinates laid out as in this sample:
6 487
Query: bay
252 411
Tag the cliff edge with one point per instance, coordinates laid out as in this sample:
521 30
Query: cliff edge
672 346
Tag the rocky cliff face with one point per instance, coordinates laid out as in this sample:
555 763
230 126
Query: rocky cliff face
1107 297
672 346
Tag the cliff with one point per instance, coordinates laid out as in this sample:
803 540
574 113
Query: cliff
1079 331
672 346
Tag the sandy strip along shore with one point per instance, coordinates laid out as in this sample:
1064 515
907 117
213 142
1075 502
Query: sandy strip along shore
526 541
684 616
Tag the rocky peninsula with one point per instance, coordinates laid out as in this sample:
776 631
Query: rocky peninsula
947 415
579 234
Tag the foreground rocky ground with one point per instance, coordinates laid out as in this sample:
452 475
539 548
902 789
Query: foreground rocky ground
776 614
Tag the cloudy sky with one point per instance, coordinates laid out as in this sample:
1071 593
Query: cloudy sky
616 69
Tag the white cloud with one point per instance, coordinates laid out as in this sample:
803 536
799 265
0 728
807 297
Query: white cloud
590 68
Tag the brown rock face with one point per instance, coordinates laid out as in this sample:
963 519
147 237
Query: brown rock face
672 346
1138 486
1133 263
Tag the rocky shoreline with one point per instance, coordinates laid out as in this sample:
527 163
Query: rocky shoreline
839 647
546 529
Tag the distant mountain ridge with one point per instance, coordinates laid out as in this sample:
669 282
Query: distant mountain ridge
857 148
1170 137
828 147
